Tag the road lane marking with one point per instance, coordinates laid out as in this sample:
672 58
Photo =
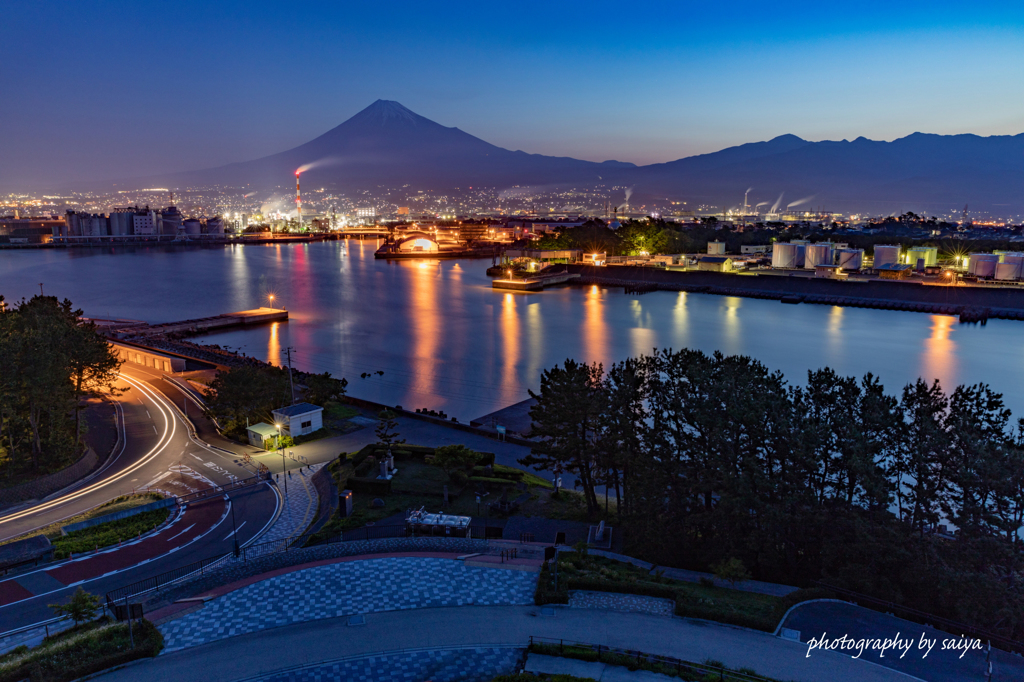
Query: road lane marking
184 531
196 456
234 531
157 479
155 431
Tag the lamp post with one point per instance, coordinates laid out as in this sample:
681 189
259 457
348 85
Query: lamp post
271 300
283 472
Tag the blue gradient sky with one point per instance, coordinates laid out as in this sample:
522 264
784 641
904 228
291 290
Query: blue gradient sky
117 89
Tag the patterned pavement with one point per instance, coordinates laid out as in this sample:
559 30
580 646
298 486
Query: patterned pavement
348 588
444 665
613 601
299 507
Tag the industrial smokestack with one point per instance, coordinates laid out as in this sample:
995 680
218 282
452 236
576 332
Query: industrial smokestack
298 198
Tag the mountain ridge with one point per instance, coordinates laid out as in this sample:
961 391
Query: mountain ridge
387 144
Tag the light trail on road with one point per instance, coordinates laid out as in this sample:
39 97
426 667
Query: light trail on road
170 428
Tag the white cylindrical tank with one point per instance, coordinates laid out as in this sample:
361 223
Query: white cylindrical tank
983 264
929 254
192 226
850 259
1007 271
784 255
817 254
887 255
215 225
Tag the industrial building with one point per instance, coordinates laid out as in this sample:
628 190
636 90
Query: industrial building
15 230
133 221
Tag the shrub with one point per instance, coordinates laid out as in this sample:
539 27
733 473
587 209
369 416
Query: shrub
731 570
460 477
485 459
376 487
367 466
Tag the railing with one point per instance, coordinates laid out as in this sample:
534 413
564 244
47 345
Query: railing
220 489
707 672
925 618
157 581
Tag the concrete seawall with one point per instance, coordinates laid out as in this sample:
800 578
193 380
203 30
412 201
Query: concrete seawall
969 303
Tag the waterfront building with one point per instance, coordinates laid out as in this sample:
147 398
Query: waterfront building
144 222
715 264
299 420
192 227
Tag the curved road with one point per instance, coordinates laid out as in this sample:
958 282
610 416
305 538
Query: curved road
159 450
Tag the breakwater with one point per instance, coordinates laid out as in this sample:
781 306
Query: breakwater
969 303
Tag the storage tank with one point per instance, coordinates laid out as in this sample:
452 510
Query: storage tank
930 255
784 255
215 225
192 226
817 254
716 248
1007 271
887 255
170 221
850 260
983 264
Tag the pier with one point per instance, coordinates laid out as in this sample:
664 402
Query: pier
534 283
243 318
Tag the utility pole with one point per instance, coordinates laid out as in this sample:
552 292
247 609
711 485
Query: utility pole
290 383
40 288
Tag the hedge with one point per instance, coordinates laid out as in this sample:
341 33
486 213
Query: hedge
644 590
378 487
485 459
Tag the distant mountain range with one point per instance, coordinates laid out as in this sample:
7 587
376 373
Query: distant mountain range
388 145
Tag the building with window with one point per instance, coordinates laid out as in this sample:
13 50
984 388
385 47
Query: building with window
299 420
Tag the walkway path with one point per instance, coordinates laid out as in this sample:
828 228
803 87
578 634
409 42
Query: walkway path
835 619
478 664
299 508
348 588
261 653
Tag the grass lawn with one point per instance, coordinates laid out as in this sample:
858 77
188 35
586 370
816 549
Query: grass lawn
419 484
107 534
115 505
748 609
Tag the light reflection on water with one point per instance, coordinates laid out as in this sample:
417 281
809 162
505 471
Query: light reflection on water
446 340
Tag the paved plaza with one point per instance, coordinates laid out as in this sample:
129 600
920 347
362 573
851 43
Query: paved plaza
478 664
348 588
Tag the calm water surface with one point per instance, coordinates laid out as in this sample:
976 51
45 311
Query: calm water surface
445 340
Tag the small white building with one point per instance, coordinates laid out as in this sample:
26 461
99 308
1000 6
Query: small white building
299 420
262 435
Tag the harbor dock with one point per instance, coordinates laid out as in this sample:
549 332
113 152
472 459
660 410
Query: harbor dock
534 283
242 318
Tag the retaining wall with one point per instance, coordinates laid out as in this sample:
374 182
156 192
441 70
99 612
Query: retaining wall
51 483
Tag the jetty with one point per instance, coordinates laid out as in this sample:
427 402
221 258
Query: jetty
534 283
243 318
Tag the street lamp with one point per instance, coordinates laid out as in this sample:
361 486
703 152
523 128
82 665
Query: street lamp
271 300
283 472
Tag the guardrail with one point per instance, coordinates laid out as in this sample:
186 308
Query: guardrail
925 618
705 671
157 581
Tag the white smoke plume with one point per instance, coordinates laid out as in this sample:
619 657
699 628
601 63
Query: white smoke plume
326 161
759 205
778 202
801 202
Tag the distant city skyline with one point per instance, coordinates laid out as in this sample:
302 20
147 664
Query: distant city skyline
123 90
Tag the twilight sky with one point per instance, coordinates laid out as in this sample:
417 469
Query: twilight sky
105 89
